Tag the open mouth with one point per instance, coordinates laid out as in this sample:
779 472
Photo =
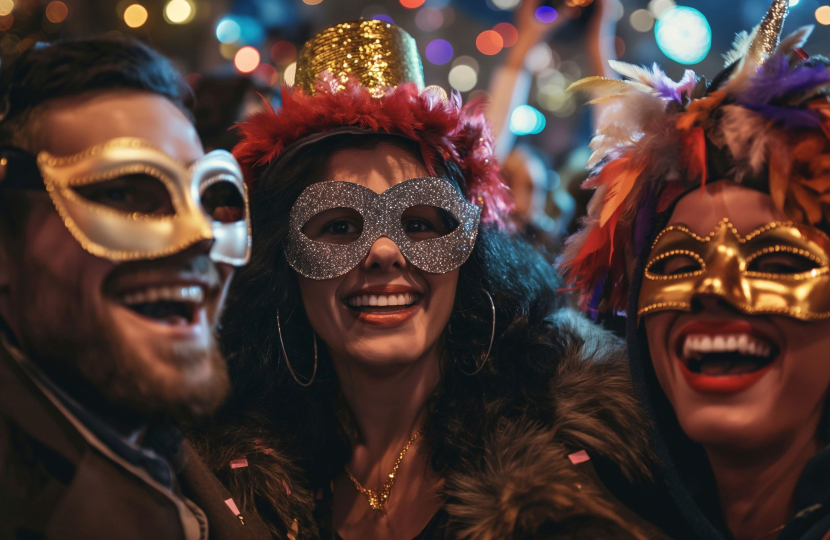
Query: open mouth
382 303
726 355
165 304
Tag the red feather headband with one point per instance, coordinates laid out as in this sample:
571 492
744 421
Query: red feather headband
445 130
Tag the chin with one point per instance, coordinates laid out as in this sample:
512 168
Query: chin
735 428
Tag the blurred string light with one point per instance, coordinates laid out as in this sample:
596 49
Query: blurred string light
466 61
657 7
489 42
508 33
429 19
290 74
6 22
503 5
135 15
179 11
641 20
538 57
240 29
383 17
526 120
615 9
56 11
312 2
463 78
246 59
823 15
439 52
266 74
6 7
228 50
684 35
228 31
412 4
283 52
793 3
546 14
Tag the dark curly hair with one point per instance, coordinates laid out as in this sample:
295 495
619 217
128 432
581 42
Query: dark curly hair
513 383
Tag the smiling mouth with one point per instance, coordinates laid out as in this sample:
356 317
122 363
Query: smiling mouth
382 303
172 305
726 355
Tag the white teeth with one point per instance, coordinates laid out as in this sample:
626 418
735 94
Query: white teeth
742 343
382 300
193 294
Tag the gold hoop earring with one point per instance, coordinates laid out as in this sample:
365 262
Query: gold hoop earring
492 337
288 362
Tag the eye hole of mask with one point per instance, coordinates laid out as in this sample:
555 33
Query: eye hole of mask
135 193
424 222
781 263
224 202
675 266
335 226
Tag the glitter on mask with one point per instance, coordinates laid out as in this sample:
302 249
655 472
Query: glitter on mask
381 217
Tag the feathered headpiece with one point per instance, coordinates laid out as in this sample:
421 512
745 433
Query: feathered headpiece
764 119
367 76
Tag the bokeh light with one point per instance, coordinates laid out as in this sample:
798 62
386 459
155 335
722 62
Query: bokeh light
505 5
463 78
684 35
793 3
228 50
437 4
546 14
6 7
412 4
228 31
283 52
439 52
135 15
466 61
429 19
246 59
266 74
179 11
526 120
6 22
489 42
56 11
641 20
657 7
823 15
508 33
383 17
290 74
312 2
538 57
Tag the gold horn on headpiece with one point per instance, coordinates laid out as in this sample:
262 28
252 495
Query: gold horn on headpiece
768 34
378 54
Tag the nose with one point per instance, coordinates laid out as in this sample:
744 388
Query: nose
384 255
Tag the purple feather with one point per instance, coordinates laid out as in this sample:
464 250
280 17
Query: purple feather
663 86
777 78
644 222
596 298
787 117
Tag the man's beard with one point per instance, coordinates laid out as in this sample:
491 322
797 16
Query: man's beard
84 353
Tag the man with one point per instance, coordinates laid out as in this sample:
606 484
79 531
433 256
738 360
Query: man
118 239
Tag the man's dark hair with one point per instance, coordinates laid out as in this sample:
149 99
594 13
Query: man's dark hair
70 68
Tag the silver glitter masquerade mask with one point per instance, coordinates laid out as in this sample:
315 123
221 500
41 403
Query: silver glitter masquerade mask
127 200
381 215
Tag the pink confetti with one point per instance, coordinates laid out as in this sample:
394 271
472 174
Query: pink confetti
579 457
232 506
239 463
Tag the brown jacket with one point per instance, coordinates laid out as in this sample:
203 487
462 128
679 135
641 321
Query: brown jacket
58 482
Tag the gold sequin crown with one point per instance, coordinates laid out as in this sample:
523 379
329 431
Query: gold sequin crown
378 54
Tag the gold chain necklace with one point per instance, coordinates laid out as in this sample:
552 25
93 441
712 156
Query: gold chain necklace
379 498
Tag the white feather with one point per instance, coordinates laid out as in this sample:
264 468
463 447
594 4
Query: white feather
746 135
795 40
633 72
739 48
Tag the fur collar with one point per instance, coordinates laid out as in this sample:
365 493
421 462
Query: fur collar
525 483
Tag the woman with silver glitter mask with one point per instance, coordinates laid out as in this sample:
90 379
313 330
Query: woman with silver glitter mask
400 366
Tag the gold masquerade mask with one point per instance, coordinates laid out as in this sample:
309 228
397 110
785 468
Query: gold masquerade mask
126 200
778 269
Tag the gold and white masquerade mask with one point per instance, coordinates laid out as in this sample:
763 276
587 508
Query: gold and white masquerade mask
126 200
778 269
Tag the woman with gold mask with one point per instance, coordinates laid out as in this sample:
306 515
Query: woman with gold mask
394 339
709 228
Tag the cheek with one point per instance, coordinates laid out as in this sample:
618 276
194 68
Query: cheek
320 304
442 289
806 365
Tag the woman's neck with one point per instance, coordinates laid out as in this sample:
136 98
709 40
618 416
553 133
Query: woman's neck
387 404
756 489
